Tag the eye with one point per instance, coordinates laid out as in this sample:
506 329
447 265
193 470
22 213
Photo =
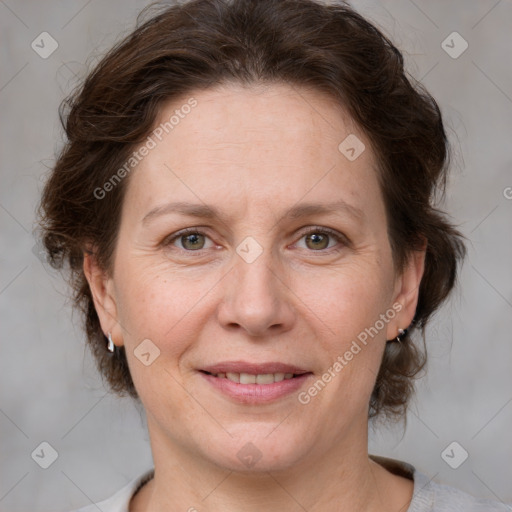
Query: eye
318 239
191 240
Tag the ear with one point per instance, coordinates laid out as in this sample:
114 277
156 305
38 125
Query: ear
102 291
407 289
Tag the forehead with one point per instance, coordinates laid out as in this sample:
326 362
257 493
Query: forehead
263 117
267 145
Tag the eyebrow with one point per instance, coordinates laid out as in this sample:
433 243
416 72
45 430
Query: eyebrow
205 211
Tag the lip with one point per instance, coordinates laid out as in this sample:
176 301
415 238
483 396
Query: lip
255 393
253 368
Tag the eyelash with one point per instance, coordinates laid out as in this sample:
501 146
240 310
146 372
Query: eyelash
316 229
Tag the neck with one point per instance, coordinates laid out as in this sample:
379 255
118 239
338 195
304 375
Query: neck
342 479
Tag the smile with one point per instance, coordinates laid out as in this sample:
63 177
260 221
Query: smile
247 378
256 385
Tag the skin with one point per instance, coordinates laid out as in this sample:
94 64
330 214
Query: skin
254 153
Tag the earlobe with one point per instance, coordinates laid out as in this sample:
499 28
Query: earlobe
101 286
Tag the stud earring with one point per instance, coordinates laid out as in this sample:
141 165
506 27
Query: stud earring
110 345
401 335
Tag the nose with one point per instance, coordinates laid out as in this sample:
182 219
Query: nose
257 298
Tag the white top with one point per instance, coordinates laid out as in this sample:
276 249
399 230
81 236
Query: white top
428 496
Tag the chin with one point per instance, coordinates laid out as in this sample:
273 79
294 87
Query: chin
257 450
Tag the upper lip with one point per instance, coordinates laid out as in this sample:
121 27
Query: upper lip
253 368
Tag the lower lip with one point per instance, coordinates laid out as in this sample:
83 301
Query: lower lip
256 393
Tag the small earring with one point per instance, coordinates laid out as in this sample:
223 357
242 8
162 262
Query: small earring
110 345
401 334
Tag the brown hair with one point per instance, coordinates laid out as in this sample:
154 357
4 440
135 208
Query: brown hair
203 43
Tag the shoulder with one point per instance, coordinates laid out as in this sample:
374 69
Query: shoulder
120 501
434 497
430 496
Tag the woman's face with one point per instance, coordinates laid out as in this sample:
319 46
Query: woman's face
262 285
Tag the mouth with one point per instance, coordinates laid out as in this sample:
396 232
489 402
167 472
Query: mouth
251 383
248 378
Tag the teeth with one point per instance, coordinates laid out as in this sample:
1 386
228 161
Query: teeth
266 378
247 378
235 377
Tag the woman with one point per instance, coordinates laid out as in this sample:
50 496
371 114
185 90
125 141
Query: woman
246 205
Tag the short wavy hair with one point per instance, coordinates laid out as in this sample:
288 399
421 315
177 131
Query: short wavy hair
200 44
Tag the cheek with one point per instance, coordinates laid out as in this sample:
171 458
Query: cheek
172 309
348 307
156 306
160 309
348 299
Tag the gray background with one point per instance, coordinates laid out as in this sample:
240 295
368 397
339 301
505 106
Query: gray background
50 390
